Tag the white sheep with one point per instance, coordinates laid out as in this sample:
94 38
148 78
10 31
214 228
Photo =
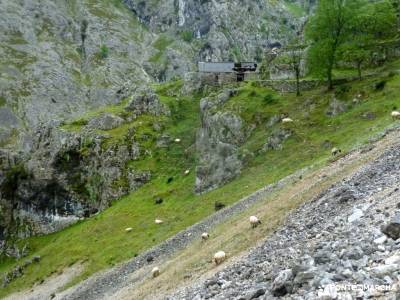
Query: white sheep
287 120
254 221
155 272
335 151
205 236
177 140
219 257
395 115
129 229
158 221
187 172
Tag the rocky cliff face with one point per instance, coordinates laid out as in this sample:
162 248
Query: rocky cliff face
218 142
62 175
61 58
220 30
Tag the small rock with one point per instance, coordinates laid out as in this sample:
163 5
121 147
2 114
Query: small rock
282 284
357 214
218 205
336 107
158 200
395 259
392 229
345 195
255 294
383 270
335 151
380 240
304 277
328 293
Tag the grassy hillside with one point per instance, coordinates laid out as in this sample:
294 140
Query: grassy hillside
101 241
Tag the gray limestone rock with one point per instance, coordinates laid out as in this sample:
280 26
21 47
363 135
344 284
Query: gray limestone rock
105 121
145 100
336 107
217 143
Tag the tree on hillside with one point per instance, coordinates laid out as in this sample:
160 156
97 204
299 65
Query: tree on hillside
374 22
328 30
295 51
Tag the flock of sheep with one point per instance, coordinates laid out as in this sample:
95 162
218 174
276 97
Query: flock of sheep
220 256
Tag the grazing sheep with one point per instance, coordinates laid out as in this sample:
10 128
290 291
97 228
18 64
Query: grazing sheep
219 257
287 120
177 140
205 236
187 172
254 221
158 221
335 151
155 272
129 229
395 115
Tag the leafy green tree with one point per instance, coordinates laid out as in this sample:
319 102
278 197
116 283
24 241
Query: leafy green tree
328 30
374 22
348 30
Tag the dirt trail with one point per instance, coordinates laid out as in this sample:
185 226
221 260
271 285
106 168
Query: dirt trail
50 286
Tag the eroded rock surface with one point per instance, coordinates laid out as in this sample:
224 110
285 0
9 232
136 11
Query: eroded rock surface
218 142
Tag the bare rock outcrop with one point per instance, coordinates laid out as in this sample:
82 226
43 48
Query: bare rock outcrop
218 142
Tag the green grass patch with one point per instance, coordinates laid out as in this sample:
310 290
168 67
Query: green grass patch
161 45
295 9
2 101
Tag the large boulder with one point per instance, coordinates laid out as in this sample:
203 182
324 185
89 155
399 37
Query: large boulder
275 140
145 100
392 229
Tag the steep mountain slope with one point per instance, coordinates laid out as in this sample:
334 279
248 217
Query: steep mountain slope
61 58
268 152
222 30
332 247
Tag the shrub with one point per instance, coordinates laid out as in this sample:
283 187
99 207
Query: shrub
187 36
269 99
253 93
80 122
218 205
103 52
380 85
342 89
